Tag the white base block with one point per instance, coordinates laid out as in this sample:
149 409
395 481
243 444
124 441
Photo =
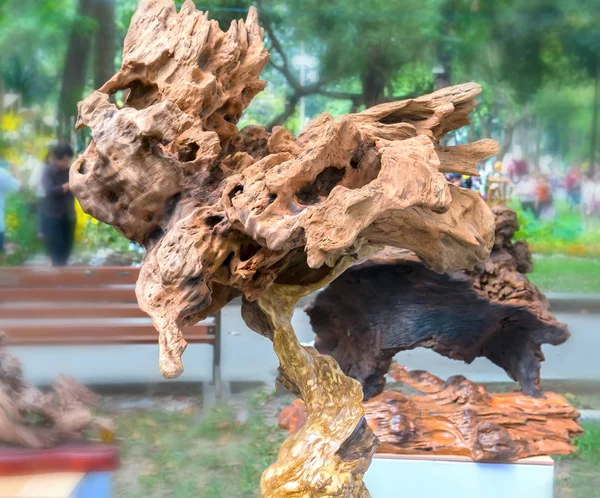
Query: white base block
411 476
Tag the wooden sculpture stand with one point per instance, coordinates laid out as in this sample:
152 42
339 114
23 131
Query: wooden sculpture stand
435 476
460 418
69 470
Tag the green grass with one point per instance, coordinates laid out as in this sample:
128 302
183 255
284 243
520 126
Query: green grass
191 455
194 455
578 475
566 274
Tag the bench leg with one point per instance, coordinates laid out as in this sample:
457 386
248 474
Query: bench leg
209 394
217 380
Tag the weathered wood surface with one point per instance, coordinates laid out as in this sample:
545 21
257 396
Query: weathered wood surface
393 303
33 419
460 418
224 212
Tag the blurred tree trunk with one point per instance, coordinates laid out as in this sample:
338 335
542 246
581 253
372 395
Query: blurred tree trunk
374 78
509 132
290 109
539 134
75 70
594 140
443 71
373 84
103 12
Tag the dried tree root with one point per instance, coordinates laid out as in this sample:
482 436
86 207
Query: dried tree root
393 303
224 212
460 418
36 420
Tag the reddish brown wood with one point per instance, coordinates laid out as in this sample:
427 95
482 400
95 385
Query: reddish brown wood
460 418
75 293
70 334
84 294
35 277
68 457
33 310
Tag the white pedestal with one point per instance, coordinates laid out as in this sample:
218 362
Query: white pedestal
411 476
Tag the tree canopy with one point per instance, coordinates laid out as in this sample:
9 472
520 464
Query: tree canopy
537 59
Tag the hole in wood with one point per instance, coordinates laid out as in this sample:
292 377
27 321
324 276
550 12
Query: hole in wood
324 183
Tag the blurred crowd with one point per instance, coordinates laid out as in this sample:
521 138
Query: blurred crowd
536 192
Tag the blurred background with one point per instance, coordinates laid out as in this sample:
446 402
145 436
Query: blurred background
538 62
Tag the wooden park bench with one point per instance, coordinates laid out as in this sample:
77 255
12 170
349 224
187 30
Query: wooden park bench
45 306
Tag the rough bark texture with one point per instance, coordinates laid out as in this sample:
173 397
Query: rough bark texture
224 212
393 303
37 420
460 418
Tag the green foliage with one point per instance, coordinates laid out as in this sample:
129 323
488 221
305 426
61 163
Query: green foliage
100 235
536 232
356 37
21 228
563 234
33 37
588 445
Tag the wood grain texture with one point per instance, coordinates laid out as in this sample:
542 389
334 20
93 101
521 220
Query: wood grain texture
224 212
393 303
460 418
329 455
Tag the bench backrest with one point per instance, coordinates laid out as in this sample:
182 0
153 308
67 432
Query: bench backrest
78 305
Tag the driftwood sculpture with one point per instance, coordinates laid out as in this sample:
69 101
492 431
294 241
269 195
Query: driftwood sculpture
267 215
393 302
37 420
460 418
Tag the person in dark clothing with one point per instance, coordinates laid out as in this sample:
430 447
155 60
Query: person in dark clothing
57 209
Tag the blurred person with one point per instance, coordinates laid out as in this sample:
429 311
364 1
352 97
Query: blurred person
454 179
517 169
526 192
57 208
590 200
544 200
573 187
10 181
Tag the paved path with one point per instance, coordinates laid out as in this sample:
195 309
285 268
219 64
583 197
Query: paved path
248 356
